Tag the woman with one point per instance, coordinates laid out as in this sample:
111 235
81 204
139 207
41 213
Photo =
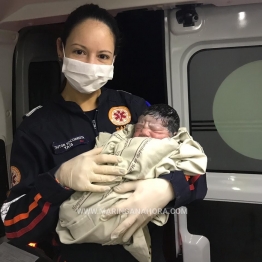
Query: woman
52 150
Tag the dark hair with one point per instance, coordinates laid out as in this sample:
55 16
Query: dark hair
167 114
91 11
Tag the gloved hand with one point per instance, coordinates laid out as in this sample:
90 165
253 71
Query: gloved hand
81 171
149 196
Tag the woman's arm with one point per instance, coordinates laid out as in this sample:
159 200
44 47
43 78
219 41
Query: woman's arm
181 187
31 209
151 195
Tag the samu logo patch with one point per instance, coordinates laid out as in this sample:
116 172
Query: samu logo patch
15 176
119 116
60 148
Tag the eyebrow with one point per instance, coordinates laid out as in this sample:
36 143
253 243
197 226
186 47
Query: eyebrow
101 51
79 45
105 51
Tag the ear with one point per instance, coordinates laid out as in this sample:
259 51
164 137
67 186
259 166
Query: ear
59 48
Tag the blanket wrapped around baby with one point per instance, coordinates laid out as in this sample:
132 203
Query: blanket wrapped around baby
144 158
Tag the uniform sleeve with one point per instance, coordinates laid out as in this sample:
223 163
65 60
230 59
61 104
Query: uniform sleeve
200 190
180 187
183 194
31 209
135 104
138 105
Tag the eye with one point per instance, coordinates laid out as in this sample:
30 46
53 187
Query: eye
104 56
79 52
156 127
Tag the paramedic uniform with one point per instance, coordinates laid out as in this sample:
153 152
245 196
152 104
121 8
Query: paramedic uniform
48 137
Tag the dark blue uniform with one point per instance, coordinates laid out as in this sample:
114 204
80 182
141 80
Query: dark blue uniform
53 134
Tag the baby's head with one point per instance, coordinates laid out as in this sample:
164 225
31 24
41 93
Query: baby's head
157 121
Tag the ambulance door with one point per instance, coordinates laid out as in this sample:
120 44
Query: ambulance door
7 43
214 72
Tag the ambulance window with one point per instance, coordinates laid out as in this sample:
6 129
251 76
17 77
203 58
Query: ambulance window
140 64
225 94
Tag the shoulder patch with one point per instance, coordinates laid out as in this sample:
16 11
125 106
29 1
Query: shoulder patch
119 115
15 176
33 110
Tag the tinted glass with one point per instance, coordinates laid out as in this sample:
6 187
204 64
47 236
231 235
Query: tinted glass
225 93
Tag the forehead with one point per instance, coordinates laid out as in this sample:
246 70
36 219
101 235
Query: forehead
91 30
150 119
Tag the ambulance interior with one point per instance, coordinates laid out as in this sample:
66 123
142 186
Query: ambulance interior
204 58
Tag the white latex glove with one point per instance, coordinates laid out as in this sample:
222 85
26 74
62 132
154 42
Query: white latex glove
81 171
149 195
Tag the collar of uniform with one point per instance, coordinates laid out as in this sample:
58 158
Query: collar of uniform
74 107
104 96
68 105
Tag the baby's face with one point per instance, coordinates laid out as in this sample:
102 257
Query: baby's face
148 126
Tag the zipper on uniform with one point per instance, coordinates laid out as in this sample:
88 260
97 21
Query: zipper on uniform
94 123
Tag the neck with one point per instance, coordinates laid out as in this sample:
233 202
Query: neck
87 102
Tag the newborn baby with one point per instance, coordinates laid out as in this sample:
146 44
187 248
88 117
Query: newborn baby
152 147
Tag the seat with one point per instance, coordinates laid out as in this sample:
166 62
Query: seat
195 248
37 71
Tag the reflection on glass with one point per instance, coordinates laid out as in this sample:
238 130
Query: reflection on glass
241 16
237 110
236 188
242 21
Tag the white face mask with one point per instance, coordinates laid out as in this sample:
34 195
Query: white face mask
84 77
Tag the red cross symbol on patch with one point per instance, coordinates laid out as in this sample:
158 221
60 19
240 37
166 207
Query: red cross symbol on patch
119 116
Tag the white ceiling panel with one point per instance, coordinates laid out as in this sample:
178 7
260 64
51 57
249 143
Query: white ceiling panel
15 14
